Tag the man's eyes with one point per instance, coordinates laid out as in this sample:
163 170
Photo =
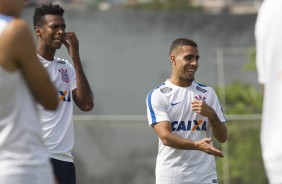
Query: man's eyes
189 58
58 27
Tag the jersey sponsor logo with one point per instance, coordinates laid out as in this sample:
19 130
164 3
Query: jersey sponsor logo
65 96
199 97
201 89
166 89
191 125
214 181
65 75
173 104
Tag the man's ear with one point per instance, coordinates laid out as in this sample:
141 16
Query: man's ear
37 31
172 59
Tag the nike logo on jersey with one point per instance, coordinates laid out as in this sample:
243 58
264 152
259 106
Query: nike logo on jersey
173 104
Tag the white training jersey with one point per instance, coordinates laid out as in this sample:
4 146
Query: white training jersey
23 155
268 36
172 103
58 131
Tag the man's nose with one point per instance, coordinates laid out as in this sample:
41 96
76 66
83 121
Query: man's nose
61 31
194 61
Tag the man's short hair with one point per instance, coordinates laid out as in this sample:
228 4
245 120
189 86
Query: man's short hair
40 12
182 42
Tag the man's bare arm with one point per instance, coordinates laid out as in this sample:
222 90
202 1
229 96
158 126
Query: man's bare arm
218 128
82 95
24 54
163 130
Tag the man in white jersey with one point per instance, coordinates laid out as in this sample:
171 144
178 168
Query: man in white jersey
71 84
185 115
23 80
269 66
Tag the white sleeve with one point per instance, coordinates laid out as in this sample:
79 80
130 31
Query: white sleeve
72 78
156 108
217 107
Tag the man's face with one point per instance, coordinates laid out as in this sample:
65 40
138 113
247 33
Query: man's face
52 32
185 62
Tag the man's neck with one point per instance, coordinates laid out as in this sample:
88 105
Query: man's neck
179 82
47 54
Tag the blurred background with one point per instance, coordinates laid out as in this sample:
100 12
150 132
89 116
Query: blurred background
124 47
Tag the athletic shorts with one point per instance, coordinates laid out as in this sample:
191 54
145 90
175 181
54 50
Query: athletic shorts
64 171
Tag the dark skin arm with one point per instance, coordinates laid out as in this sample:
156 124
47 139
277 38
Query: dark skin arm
82 95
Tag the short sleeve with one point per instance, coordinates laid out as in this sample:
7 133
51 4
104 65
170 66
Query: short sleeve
217 107
73 78
156 107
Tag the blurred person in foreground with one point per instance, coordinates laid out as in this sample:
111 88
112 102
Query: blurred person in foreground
185 115
71 84
268 36
23 82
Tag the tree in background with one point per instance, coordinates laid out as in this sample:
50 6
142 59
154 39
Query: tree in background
241 97
161 5
244 154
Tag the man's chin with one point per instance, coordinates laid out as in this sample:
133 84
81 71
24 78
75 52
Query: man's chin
190 79
57 46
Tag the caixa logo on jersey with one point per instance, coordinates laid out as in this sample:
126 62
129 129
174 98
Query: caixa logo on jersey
192 125
65 96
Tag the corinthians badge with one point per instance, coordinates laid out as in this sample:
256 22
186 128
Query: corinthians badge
65 76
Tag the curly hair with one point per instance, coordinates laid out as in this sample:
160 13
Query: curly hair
40 12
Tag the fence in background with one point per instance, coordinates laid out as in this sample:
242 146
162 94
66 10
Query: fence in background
123 149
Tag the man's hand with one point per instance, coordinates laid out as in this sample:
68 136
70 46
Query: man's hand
202 108
219 129
205 146
72 44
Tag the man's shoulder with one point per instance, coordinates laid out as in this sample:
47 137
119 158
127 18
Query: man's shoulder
14 29
202 87
5 18
17 25
163 90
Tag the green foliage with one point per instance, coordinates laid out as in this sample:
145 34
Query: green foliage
244 150
244 154
242 98
251 65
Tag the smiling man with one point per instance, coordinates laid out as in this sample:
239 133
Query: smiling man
185 115
71 84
